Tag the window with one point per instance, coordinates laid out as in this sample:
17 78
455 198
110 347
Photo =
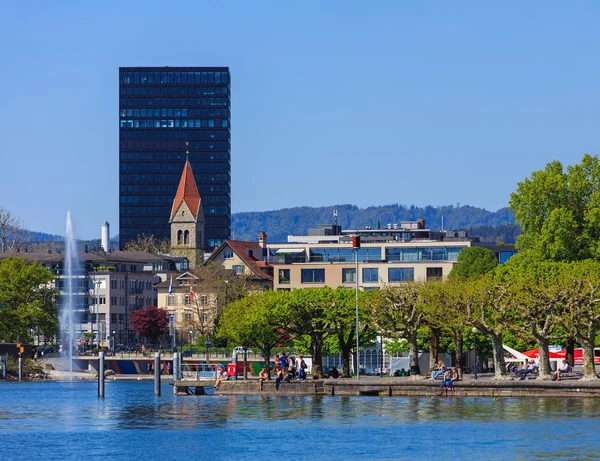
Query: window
188 300
401 274
370 275
228 254
313 276
238 268
187 317
171 301
203 300
434 273
284 276
349 275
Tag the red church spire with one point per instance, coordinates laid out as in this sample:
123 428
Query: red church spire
187 192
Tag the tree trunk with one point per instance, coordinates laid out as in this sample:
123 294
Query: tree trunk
499 363
266 355
346 351
413 353
589 368
544 358
317 355
458 354
434 347
570 349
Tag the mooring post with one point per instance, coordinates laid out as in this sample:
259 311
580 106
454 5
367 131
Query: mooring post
157 373
101 375
175 372
20 368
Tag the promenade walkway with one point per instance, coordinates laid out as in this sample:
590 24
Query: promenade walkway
484 386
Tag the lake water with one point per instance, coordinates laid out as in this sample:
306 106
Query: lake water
51 420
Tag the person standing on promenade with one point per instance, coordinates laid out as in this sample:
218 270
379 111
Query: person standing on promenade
302 369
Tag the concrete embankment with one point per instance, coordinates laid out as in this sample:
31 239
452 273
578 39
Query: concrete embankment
419 387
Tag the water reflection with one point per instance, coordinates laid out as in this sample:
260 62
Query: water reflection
530 428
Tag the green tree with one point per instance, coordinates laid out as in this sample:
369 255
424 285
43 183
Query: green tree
341 315
582 305
258 320
489 307
27 301
539 294
559 212
397 313
474 261
308 316
439 303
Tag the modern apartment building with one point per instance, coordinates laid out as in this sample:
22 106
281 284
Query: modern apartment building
398 253
165 112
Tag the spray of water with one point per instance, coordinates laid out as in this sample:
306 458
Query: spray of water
71 272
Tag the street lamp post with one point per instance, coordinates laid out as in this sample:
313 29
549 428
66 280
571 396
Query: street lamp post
356 246
113 342
475 353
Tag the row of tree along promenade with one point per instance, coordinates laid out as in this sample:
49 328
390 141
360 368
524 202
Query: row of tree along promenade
549 293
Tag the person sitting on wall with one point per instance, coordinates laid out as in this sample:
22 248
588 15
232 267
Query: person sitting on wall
262 377
448 379
334 373
223 376
565 368
522 374
440 369
279 376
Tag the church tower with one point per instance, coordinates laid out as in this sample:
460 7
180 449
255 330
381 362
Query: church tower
187 220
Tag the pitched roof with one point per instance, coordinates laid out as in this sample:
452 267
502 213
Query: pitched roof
240 247
187 192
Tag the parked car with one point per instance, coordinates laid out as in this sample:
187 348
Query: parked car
44 350
239 350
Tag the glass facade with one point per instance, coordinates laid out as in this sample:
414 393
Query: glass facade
401 274
160 109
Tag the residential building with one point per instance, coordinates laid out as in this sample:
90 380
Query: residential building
398 253
161 111
106 287
194 303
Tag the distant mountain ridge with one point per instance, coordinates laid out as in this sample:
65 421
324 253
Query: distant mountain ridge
490 226
278 224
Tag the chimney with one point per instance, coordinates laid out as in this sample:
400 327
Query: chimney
421 224
105 236
262 242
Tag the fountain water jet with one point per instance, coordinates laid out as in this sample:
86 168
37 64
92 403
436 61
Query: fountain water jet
72 269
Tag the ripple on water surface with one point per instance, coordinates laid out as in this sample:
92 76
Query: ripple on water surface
51 420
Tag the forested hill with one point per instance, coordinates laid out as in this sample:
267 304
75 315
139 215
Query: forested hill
278 224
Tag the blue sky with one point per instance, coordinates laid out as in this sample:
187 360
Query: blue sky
369 103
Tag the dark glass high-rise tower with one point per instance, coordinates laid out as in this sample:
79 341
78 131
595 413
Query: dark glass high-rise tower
160 110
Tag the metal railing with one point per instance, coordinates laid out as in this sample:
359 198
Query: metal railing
199 372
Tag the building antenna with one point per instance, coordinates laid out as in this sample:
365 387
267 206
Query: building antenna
335 216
